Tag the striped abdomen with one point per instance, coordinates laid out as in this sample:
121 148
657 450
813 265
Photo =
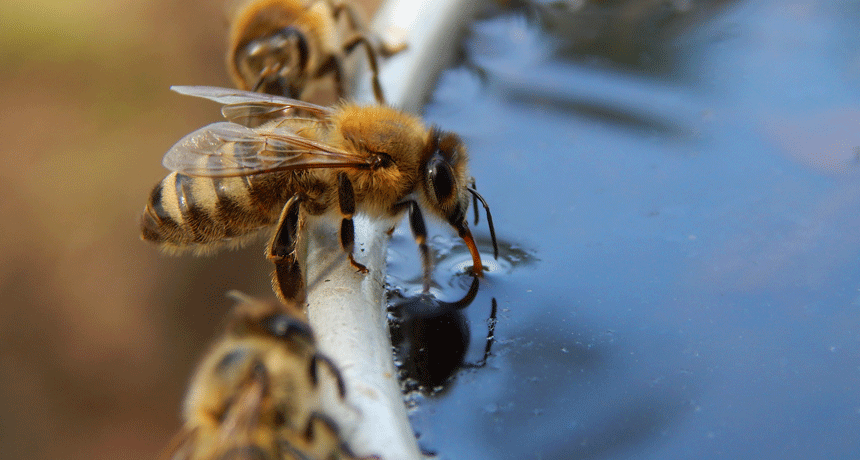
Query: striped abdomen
197 213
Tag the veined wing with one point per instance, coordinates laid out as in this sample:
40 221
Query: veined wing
250 108
228 149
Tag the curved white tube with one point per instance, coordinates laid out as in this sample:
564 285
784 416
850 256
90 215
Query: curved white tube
347 309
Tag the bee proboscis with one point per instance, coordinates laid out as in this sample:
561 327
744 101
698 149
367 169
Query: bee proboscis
285 47
278 155
256 393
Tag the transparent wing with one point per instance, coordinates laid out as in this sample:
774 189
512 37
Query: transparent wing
229 149
253 109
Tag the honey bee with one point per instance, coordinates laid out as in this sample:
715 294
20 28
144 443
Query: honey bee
256 394
230 180
283 46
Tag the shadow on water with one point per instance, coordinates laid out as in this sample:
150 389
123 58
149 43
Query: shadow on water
628 34
601 112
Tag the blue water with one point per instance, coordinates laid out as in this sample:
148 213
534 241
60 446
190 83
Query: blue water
680 248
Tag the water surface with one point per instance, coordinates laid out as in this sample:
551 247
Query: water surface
679 274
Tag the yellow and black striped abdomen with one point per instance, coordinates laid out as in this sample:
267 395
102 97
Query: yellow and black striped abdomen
203 213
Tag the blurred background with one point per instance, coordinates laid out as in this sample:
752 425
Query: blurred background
99 331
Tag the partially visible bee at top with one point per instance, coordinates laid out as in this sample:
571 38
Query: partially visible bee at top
256 395
230 180
286 47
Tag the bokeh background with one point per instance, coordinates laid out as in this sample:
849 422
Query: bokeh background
678 223
98 331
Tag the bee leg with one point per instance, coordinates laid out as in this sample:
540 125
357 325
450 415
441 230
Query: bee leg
318 420
384 49
314 366
326 421
346 199
419 231
287 279
321 424
339 8
350 45
332 65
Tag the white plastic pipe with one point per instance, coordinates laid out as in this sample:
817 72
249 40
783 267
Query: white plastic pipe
346 308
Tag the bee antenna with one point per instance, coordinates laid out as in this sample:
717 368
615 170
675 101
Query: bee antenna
474 199
489 221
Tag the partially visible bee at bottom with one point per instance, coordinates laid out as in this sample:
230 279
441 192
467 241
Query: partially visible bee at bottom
256 395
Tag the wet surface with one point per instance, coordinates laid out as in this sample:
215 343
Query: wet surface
679 237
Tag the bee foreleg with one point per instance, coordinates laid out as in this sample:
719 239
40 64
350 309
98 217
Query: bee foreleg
314 366
346 199
287 279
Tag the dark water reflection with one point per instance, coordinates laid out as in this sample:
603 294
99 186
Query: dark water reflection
691 284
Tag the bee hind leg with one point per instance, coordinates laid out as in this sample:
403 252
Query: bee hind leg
287 279
346 200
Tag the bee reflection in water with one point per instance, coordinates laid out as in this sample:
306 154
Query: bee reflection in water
432 337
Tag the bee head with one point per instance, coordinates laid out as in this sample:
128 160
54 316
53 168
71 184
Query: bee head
446 188
445 180
273 64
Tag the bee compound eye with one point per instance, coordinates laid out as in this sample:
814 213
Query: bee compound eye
441 179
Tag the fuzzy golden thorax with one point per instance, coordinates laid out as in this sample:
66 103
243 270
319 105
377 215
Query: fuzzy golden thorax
394 138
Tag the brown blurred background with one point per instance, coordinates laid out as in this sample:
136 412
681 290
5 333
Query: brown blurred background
100 332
